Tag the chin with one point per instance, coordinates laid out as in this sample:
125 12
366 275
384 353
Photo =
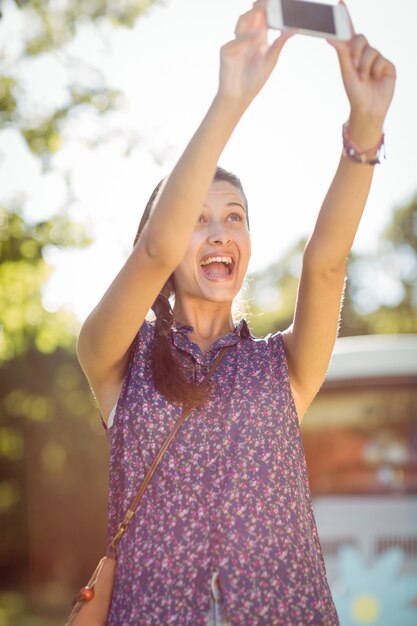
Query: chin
220 294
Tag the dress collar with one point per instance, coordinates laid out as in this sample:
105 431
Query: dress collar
241 329
181 339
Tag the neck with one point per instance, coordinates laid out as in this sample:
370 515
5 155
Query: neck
210 320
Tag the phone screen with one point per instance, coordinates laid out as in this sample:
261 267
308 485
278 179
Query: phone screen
308 15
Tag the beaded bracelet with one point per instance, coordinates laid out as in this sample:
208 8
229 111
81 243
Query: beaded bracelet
352 151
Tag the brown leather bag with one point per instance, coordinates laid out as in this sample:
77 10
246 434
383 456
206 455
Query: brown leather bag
92 604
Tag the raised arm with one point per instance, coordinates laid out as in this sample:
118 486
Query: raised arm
369 82
106 336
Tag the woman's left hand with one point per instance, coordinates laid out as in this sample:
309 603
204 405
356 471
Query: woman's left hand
248 60
368 77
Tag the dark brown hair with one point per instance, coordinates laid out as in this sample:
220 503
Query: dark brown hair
168 373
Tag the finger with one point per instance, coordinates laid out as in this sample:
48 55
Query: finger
343 49
250 20
277 45
236 45
358 45
342 46
389 69
383 67
377 69
366 61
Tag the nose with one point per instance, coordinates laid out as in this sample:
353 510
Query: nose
218 234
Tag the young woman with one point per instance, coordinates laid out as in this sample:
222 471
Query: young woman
225 533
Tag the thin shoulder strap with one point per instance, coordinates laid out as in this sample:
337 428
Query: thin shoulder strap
180 421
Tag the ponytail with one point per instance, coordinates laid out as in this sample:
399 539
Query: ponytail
168 373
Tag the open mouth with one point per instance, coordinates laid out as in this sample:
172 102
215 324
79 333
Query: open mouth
217 267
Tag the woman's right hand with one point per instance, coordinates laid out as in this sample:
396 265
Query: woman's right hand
247 61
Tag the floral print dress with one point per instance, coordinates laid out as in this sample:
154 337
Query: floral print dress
225 533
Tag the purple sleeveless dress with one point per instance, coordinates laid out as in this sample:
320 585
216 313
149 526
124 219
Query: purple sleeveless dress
229 501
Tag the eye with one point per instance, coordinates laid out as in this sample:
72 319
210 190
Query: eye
234 217
201 219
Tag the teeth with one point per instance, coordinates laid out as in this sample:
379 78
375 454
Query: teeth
217 259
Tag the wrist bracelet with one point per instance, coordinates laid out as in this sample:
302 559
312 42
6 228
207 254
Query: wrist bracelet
352 151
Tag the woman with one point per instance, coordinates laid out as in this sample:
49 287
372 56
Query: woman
225 533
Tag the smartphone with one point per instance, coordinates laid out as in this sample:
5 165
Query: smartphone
310 18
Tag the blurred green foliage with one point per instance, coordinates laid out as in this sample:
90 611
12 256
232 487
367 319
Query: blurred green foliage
23 271
15 612
53 450
7 99
50 433
49 27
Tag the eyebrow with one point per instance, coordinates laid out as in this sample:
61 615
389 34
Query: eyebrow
239 204
232 203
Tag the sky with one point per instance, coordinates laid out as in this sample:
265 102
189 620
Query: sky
285 149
